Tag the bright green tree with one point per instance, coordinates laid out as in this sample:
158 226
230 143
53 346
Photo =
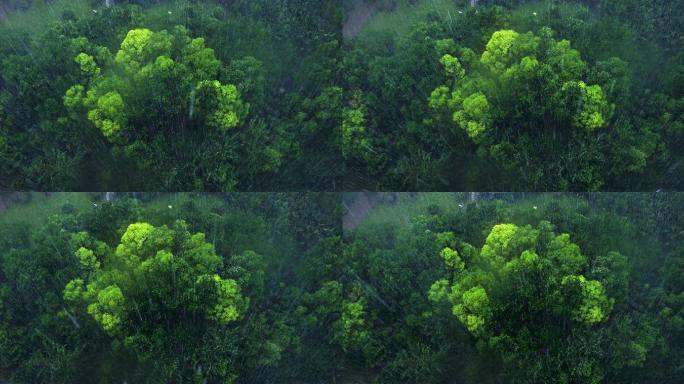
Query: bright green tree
526 296
160 103
527 105
155 287
152 68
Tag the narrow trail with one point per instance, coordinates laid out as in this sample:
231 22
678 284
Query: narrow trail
358 17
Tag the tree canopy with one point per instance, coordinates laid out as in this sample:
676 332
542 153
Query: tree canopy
514 95
170 95
265 287
525 296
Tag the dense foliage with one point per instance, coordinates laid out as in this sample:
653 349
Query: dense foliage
265 95
169 95
447 288
515 95
159 289
262 288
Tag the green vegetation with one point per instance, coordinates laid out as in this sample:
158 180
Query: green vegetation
41 206
516 95
35 16
399 16
261 95
169 95
510 288
157 288
429 288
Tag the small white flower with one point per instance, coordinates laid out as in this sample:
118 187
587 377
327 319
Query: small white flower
94 11
94 205
534 13
460 205
169 12
535 207
170 206
461 12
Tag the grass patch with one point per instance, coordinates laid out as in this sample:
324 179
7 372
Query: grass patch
33 208
407 206
176 11
400 20
40 15
405 15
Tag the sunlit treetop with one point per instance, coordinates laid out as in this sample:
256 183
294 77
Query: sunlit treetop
153 272
513 265
497 55
220 103
473 310
594 305
353 141
87 64
452 259
473 117
452 66
152 69
142 46
523 98
593 107
512 60
351 330
107 113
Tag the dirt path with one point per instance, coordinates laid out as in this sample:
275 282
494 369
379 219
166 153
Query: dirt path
355 211
357 18
357 205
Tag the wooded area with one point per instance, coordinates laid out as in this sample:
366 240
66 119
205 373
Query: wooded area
172 95
265 288
514 95
180 98
188 95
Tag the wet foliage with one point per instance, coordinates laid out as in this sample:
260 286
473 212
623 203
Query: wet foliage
264 288
168 95
512 288
514 95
